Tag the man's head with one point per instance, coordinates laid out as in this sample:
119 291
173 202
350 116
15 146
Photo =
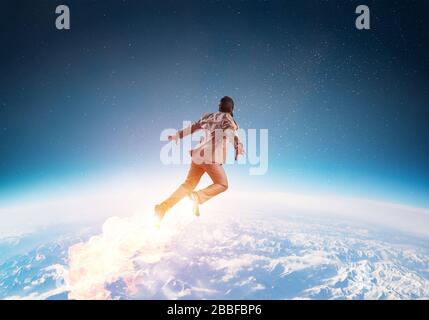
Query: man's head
226 104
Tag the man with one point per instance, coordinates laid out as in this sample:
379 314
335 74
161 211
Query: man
207 157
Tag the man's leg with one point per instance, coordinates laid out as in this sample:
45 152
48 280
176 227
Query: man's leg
194 176
220 182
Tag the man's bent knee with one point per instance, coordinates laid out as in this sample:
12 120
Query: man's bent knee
223 187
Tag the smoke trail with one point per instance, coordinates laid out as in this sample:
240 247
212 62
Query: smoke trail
117 254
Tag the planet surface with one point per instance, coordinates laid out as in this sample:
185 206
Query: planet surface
280 246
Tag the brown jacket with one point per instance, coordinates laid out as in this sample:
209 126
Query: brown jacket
218 127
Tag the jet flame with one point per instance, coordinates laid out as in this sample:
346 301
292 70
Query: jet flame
117 254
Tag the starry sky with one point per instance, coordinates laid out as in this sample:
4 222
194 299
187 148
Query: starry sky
344 108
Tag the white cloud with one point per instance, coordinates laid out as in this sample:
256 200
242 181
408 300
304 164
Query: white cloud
240 240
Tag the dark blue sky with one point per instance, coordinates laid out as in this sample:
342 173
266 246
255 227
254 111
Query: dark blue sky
341 105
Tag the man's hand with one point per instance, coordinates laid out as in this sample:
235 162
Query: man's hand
174 138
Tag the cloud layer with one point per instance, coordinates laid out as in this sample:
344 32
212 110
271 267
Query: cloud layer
286 251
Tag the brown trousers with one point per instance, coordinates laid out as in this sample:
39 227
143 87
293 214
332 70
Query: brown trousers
216 173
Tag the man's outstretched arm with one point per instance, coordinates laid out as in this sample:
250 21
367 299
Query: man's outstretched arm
186 131
189 130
